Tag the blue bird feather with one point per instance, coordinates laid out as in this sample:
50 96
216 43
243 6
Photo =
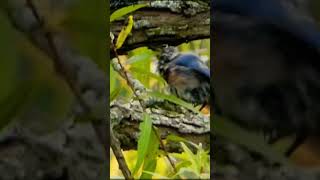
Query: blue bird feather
194 63
187 76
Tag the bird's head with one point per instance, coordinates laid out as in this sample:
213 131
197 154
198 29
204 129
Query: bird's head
166 55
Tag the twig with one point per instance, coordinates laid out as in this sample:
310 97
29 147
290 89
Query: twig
125 75
114 143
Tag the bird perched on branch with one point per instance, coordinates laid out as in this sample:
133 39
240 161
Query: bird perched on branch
267 68
187 76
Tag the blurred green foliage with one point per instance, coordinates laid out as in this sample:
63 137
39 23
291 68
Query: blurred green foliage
85 23
10 100
32 93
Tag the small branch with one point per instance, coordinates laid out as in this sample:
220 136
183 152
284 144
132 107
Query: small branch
118 154
115 145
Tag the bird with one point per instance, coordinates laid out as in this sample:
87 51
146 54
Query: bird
186 74
266 68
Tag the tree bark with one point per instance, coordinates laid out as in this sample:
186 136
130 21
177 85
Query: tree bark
125 119
165 22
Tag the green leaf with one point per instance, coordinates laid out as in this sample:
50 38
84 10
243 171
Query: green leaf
117 177
183 164
112 79
144 140
156 175
187 173
144 73
176 138
173 99
114 94
124 33
144 56
192 158
150 161
126 10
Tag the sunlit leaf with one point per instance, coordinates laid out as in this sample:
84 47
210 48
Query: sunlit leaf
126 10
144 141
140 57
112 79
114 94
192 158
175 138
124 33
187 173
115 86
116 177
142 72
156 175
142 64
150 161
183 164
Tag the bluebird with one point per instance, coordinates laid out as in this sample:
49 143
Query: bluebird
267 69
187 76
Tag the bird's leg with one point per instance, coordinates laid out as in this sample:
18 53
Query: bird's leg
299 140
202 106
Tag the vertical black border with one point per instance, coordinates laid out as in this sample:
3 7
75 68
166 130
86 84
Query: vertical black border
212 60
108 87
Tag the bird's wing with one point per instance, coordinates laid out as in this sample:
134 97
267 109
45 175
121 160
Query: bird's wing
193 62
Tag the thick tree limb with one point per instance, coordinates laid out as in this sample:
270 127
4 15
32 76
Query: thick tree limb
125 119
167 22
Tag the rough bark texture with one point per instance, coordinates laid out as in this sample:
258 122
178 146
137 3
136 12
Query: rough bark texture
70 153
125 119
166 22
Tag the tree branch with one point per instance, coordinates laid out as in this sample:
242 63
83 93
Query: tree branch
125 119
166 22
